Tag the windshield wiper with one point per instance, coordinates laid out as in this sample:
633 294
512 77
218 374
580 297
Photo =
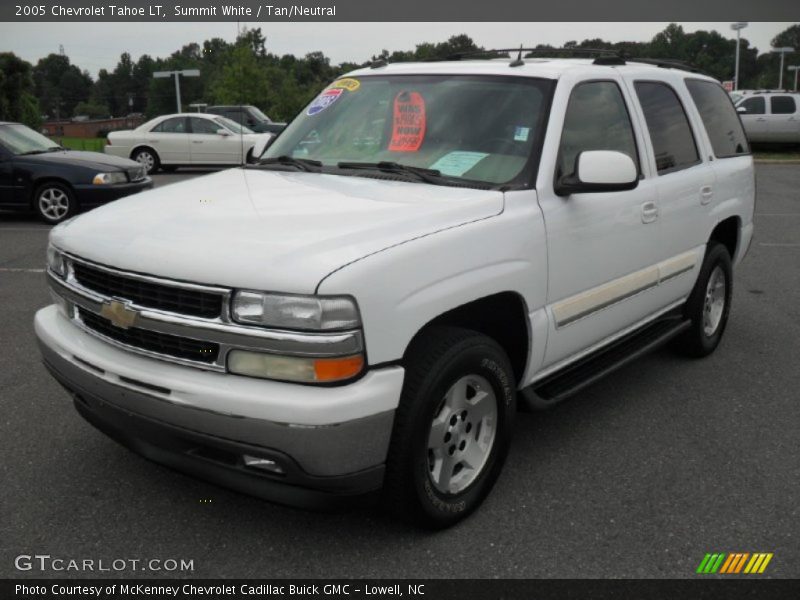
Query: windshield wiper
29 152
304 164
427 175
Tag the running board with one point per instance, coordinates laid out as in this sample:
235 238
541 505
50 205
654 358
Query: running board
573 378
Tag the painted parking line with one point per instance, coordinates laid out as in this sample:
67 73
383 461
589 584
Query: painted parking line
16 270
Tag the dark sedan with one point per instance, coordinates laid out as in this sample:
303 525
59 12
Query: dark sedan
37 174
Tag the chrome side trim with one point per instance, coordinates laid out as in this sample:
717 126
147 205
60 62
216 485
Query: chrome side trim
594 347
595 299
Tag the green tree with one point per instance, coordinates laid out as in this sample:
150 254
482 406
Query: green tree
17 91
60 85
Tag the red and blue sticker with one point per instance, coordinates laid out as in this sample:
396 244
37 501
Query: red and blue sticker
324 100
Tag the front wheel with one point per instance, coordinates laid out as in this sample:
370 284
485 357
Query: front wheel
709 304
54 202
452 427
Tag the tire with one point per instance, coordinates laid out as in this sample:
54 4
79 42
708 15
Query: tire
442 461
54 202
148 158
709 304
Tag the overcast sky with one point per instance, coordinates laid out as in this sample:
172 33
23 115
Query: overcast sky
98 45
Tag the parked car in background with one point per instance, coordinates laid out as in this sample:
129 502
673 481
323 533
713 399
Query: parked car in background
249 116
39 175
771 117
184 140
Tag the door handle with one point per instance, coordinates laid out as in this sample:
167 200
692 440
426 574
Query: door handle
706 193
649 212
197 141
760 119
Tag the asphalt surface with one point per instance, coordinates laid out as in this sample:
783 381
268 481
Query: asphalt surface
638 476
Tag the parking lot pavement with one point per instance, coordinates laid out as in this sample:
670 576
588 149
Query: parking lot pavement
638 476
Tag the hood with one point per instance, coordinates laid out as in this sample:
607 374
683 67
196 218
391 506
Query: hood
76 158
266 230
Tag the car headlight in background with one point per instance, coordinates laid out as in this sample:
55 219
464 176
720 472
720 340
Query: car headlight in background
294 368
309 313
110 178
56 261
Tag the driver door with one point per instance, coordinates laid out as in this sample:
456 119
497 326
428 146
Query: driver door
602 247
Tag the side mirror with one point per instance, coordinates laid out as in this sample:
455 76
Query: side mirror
599 171
262 143
741 109
223 132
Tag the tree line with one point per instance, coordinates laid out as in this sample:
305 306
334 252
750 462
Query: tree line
244 72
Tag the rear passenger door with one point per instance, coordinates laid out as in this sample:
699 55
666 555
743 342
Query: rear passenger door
602 247
783 121
170 139
685 182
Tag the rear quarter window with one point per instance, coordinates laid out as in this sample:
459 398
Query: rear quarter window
719 117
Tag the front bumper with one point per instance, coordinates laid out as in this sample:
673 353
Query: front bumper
204 422
91 195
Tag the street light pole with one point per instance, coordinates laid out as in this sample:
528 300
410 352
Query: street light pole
738 26
783 52
794 68
176 75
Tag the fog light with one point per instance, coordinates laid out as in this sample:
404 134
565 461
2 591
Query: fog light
264 464
294 368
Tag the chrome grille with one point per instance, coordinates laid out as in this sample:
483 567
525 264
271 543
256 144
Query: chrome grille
152 341
149 294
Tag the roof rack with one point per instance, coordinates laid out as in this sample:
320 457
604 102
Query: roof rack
527 51
669 64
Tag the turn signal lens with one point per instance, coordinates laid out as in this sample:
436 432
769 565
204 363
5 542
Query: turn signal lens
294 368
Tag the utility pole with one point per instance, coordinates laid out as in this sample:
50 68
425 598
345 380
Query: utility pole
794 68
176 75
783 52
738 26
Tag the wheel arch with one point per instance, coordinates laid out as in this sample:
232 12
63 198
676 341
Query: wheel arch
138 147
727 233
502 316
37 183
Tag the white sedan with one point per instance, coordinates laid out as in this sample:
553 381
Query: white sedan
183 140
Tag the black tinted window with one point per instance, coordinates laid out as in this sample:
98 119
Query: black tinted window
782 105
719 117
669 128
174 125
204 126
596 119
754 106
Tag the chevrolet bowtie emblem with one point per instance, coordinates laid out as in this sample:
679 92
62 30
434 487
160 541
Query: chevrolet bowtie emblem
119 313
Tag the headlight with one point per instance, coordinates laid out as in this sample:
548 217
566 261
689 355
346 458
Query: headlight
311 313
56 261
110 178
293 368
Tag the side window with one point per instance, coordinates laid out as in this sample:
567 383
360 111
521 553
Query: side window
596 119
754 106
719 118
204 126
782 105
174 125
670 133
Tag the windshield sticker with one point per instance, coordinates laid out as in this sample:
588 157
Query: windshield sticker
521 134
457 163
323 101
408 126
348 83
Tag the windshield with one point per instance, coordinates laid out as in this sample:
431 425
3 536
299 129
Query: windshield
20 139
233 125
254 110
478 128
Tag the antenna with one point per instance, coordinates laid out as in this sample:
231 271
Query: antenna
518 62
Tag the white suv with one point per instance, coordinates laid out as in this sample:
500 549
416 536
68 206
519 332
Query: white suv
424 246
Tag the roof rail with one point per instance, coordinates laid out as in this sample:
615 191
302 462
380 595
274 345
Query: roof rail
669 64
528 52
